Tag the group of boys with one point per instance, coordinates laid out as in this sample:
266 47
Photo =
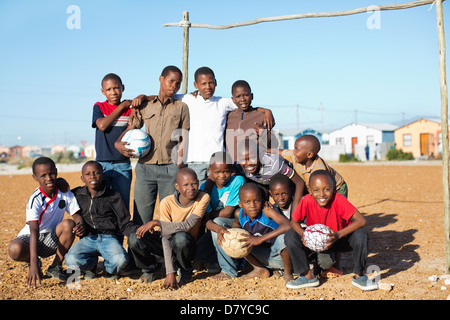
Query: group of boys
214 166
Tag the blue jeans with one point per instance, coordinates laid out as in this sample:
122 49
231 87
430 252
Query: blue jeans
84 253
118 176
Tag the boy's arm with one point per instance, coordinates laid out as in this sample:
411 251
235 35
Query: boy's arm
104 123
299 189
283 226
121 146
358 221
269 120
34 277
79 229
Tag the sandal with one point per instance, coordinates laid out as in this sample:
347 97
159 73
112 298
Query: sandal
331 273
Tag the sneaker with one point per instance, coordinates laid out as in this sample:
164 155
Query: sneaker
56 272
112 276
213 267
89 274
364 283
302 282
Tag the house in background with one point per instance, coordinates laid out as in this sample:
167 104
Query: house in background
288 137
366 141
422 137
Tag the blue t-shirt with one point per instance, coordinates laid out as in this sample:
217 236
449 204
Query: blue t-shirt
228 195
104 140
261 225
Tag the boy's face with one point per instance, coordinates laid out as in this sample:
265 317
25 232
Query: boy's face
170 84
112 89
251 202
249 161
206 85
242 98
221 173
282 195
92 176
301 152
321 188
187 185
45 175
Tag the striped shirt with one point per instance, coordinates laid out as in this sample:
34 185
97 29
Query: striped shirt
49 212
104 140
318 164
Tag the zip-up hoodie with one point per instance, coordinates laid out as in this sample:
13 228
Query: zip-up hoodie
105 213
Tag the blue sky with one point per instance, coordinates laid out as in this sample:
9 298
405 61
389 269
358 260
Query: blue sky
50 74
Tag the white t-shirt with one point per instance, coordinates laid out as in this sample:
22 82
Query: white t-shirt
49 212
208 120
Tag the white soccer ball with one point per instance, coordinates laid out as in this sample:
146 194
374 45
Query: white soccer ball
232 244
316 236
139 141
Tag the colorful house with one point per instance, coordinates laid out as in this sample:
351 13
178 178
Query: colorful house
422 137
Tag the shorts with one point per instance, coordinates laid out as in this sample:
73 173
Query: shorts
47 244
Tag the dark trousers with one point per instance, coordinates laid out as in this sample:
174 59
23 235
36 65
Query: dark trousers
357 242
142 251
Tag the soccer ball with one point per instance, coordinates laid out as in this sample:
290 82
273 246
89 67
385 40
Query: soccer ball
232 244
316 236
139 141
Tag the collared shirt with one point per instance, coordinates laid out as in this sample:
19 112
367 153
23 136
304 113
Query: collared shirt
318 164
164 124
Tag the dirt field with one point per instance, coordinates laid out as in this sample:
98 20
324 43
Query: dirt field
402 203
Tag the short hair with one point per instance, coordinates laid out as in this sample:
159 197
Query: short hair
312 140
42 160
240 83
220 157
280 179
203 71
186 171
322 173
250 186
91 162
168 69
112 76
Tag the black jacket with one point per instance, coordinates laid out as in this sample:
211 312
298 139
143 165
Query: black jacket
106 213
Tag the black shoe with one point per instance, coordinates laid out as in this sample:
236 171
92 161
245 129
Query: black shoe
56 272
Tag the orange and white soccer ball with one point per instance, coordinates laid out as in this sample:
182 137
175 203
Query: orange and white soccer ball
233 244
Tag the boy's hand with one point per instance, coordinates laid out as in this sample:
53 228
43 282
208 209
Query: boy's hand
333 238
121 147
34 277
62 185
220 237
148 227
79 229
138 100
170 282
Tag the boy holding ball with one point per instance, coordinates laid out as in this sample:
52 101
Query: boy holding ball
346 224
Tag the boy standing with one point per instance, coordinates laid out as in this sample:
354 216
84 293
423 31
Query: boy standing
181 216
106 219
208 116
306 160
166 120
46 233
245 121
346 224
110 120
